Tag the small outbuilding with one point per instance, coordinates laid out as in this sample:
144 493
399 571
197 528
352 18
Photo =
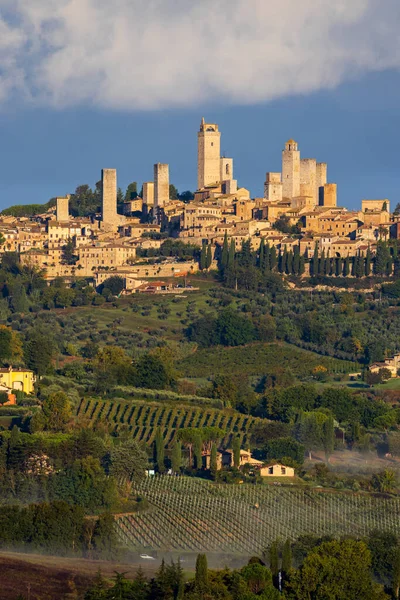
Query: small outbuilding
276 470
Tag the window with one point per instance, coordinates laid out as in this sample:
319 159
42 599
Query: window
283 470
270 470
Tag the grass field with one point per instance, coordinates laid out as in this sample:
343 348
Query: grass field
194 515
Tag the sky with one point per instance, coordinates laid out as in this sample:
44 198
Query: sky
92 84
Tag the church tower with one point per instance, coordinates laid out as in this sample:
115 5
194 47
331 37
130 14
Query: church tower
208 155
291 170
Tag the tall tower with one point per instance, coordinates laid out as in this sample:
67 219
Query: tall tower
62 208
308 179
161 184
109 196
291 170
322 178
148 193
208 154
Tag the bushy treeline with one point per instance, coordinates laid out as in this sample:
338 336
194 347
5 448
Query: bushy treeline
250 269
309 568
172 248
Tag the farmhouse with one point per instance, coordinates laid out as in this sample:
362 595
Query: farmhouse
277 470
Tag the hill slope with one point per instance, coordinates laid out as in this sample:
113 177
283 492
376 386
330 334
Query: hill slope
193 515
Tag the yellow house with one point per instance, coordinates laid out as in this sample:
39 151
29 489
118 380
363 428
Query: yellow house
17 379
277 470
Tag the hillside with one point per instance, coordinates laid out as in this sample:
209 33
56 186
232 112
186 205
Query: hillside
143 418
193 515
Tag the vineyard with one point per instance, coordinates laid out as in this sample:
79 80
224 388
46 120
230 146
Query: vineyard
142 419
193 515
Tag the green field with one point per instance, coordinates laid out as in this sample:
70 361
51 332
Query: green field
258 359
142 419
194 515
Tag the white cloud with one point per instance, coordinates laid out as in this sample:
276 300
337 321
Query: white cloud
149 54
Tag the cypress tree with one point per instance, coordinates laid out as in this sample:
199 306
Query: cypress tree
296 261
289 263
321 264
287 557
236 451
213 461
261 256
231 256
274 559
381 258
159 451
368 263
198 458
329 437
339 267
314 261
176 457
267 258
346 265
201 575
203 257
273 258
280 261
353 266
330 267
302 264
360 266
225 252
209 256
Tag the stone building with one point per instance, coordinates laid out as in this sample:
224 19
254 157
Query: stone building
291 170
161 185
62 208
109 216
208 155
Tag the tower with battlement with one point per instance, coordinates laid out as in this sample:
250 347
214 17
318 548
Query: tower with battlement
291 170
209 164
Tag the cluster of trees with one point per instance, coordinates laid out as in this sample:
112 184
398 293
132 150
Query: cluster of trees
309 568
171 247
251 269
81 467
230 328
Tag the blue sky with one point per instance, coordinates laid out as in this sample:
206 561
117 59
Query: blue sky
72 105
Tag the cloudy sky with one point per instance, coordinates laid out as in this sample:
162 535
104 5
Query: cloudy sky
87 84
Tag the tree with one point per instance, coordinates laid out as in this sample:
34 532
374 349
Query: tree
225 253
201 576
131 191
209 256
385 481
69 257
39 351
173 192
176 457
368 262
203 257
159 453
329 437
382 258
274 559
213 461
287 558
236 452
152 373
57 411
309 430
198 450
128 460
337 569
257 577
115 284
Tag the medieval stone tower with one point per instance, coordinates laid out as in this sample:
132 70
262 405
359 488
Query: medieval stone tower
291 170
208 155
62 208
161 184
109 196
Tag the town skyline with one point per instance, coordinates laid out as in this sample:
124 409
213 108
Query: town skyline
362 160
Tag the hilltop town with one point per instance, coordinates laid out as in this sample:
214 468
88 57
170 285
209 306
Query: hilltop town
299 213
